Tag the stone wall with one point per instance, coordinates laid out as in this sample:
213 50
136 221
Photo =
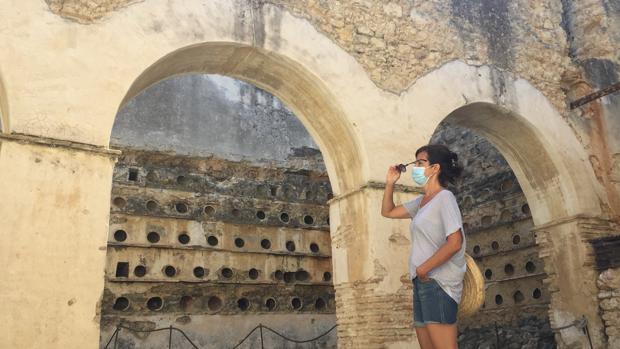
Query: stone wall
218 218
593 33
86 11
609 285
399 41
201 207
193 240
525 332
212 115
567 49
496 215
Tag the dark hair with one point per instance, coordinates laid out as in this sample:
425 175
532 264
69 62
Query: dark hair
449 168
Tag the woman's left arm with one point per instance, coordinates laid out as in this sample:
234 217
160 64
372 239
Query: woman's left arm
452 245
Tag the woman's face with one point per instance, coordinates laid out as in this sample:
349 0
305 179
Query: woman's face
421 160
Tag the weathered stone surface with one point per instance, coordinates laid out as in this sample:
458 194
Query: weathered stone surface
610 279
409 38
86 11
593 32
196 231
609 283
524 37
226 219
213 115
528 332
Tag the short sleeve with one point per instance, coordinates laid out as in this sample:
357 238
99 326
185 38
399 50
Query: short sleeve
413 206
450 215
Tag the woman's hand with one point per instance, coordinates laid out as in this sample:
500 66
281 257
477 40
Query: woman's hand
422 273
393 175
388 209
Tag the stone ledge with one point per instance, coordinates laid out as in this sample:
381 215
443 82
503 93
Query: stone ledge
373 185
59 143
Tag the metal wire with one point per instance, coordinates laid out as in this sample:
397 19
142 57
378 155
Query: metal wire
246 337
301 341
170 338
171 328
579 323
582 324
111 337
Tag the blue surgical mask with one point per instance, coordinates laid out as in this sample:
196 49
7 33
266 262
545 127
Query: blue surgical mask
417 173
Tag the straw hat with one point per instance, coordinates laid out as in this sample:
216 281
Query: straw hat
473 289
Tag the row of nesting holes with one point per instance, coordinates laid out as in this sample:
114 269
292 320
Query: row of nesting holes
505 186
517 297
495 245
122 270
153 237
509 269
133 176
505 216
215 303
183 208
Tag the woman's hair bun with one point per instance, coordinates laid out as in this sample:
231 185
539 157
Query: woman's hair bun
454 159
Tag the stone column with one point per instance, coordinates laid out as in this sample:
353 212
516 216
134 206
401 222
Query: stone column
370 256
54 212
609 294
570 266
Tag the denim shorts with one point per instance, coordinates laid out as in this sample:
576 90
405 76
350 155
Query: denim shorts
431 304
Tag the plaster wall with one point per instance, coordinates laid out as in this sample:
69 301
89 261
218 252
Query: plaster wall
84 112
48 292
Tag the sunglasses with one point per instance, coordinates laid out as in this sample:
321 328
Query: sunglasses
403 167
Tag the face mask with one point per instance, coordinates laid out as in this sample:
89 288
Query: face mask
417 173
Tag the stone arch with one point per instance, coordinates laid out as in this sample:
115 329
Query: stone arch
553 169
298 88
546 181
548 160
560 192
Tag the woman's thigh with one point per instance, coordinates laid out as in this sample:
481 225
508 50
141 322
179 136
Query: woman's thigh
443 336
424 338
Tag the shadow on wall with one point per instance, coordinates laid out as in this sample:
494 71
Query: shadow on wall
205 115
4 109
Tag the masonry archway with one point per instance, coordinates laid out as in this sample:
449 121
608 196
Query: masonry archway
523 125
555 196
225 167
299 89
559 185
545 179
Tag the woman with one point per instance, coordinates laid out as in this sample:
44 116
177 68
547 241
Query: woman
437 261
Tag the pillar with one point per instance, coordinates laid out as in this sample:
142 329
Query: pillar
54 211
570 265
370 261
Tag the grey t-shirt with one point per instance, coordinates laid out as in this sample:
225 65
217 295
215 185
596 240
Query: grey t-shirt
430 227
